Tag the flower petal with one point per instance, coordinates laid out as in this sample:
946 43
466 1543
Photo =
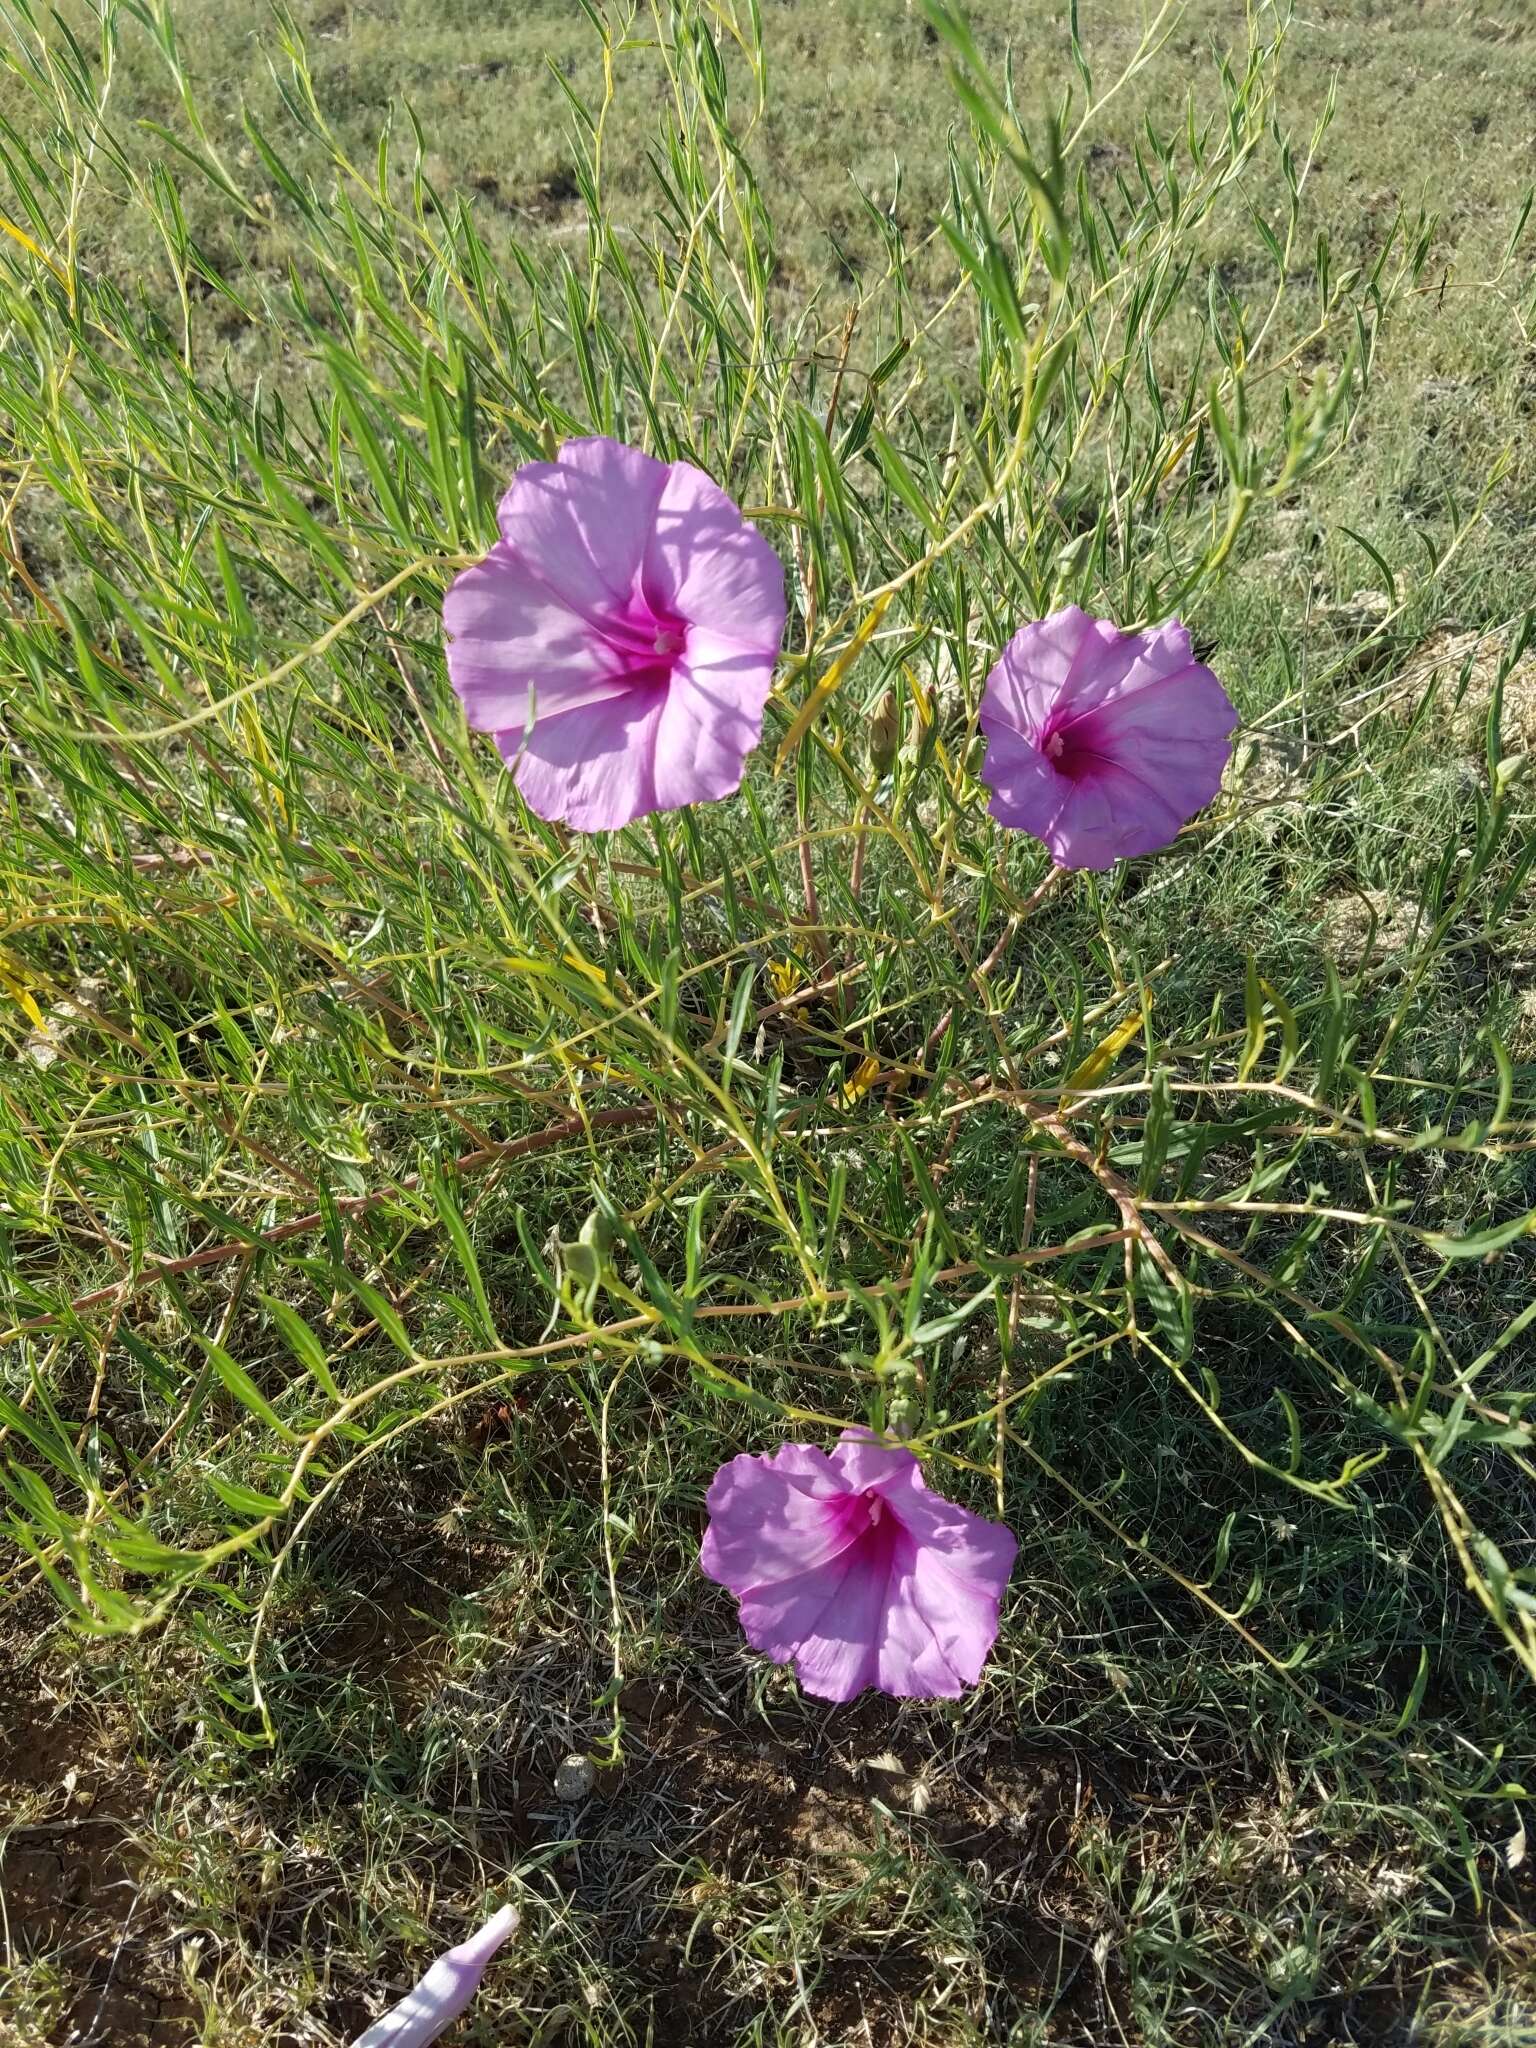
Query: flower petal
966 1544
769 1520
830 1620
810 1585
1182 775
1027 792
582 524
942 1623
712 720
911 1663
509 636
864 1464
948 1574
1112 667
443 1992
706 565
1109 816
594 768
1033 671
1173 734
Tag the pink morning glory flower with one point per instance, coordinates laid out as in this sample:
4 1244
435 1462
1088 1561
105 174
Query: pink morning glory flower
1099 742
847 1566
444 1992
619 639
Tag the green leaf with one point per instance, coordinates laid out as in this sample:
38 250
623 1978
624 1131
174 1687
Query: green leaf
463 1250
1171 1304
741 1004
1257 1031
245 1500
383 1313
1477 1244
245 1390
302 1342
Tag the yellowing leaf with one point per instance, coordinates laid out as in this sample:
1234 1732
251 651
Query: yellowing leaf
920 696
809 711
1089 1072
20 235
519 963
605 1070
861 1080
19 991
1181 449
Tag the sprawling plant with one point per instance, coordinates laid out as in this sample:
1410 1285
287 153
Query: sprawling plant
346 1094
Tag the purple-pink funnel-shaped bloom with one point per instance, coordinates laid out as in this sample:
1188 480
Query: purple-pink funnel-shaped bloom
444 1992
619 639
1099 742
846 1565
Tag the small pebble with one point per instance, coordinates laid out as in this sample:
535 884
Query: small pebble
575 1778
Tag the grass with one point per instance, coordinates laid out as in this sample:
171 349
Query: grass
1183 1214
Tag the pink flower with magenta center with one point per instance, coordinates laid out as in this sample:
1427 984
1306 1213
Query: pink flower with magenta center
619 639
1102 743
846 1565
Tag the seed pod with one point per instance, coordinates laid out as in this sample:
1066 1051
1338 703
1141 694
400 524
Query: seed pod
885 734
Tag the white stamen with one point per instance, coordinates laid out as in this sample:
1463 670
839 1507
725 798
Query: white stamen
1055 747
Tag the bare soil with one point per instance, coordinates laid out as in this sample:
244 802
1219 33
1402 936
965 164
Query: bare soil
69 1785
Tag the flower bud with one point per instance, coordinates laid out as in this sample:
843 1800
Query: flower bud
885 734
443 1993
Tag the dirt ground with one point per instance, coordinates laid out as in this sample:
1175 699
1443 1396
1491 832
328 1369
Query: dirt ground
856 1806
70 1788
